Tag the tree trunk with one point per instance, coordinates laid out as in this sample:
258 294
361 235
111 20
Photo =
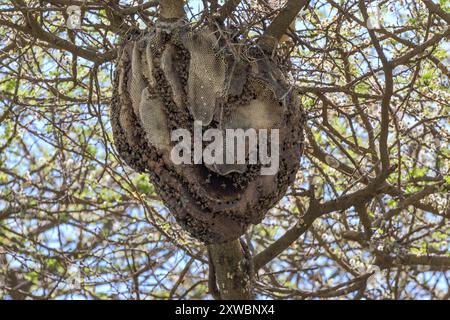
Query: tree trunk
231 271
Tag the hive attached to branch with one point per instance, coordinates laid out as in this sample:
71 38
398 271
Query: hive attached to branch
170 77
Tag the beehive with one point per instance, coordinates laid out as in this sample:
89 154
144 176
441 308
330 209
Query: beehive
166 79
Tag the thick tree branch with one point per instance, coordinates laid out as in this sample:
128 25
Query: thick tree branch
435 262
172 9
419 49
281 23
277 247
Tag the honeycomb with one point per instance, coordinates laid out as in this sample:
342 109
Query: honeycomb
166 79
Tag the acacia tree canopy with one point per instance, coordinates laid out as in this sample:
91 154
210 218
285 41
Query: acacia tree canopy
367 217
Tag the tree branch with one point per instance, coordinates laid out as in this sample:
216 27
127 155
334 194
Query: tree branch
388 91
436 9
172 9
36 30
227 9
281 23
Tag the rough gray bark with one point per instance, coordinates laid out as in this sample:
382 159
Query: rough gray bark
232 270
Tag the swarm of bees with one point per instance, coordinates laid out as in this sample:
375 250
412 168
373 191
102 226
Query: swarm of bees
173 75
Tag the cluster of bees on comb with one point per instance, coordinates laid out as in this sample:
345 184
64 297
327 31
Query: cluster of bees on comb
173 75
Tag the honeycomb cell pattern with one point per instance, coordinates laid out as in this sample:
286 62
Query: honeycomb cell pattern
168 78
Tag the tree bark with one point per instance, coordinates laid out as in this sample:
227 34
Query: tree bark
172 9
231 270
281 23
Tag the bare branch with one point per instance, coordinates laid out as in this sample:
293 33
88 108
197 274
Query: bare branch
281 23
